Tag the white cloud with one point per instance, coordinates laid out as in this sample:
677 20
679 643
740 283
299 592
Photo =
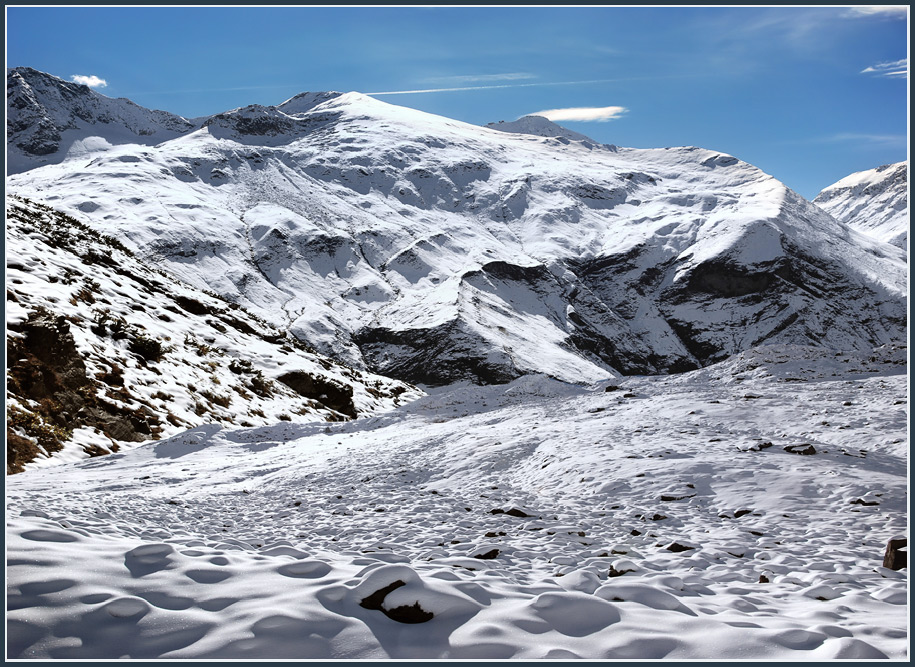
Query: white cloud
895 69
92 81
892 11
600 114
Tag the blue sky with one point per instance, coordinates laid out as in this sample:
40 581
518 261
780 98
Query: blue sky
808 94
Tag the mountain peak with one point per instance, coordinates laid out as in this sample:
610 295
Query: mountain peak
874 202
539 126
306 101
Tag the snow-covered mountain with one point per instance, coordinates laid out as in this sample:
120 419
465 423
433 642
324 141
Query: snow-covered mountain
165 295
874 202
50 120
105 352
431 250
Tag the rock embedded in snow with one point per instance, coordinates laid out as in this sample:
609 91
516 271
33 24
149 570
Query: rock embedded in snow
896 556
804 449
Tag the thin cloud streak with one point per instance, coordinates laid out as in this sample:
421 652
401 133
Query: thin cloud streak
483 78
894 11
507 85
897 68
881 140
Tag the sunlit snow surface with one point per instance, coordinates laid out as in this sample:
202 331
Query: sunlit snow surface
261 543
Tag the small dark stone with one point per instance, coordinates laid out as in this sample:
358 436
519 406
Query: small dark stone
667 498
740 513
514 511
763 579
658 517
676 547
634 532
805 449
611 387
489 555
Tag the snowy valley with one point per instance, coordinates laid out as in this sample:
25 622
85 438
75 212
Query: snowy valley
340 379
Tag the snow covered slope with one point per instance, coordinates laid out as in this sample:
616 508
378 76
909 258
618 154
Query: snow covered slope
104 352
738 512
50 120
874 202
434 251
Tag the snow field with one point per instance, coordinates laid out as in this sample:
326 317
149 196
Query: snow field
270 542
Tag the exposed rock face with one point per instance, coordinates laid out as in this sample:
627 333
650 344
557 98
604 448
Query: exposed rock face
47 117
46 369
334 395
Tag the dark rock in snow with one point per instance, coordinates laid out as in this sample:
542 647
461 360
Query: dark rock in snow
514 511
895 557
805 449
334 395
403 614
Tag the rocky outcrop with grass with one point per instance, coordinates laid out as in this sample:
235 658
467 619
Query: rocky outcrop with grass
104 351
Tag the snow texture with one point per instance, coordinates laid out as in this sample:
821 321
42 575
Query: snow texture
309 541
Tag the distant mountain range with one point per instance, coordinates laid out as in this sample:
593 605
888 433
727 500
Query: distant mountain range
434 251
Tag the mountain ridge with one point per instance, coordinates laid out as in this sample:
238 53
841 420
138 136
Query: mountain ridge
380 234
